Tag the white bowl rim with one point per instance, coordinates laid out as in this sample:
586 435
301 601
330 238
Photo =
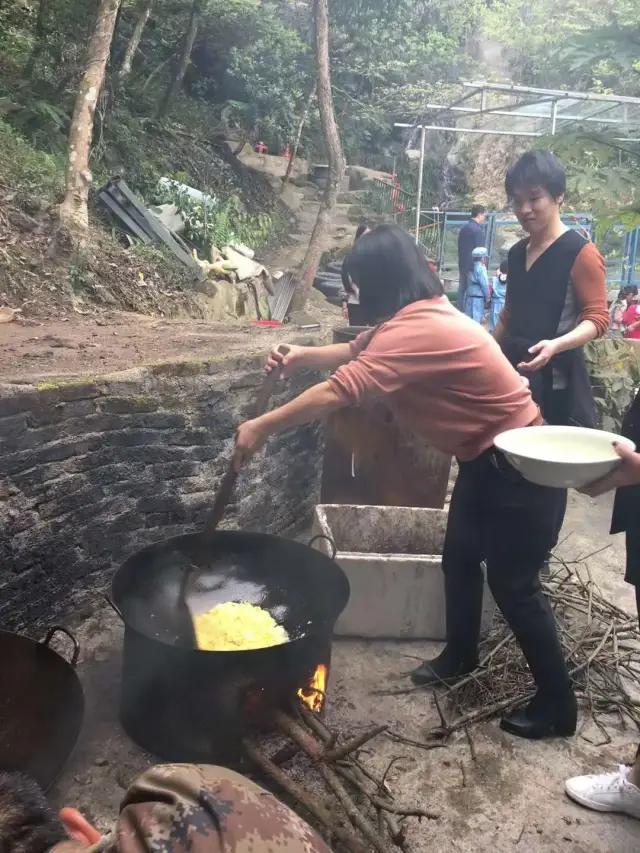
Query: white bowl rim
575 430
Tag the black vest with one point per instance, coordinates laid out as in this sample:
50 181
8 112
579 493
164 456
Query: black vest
536 301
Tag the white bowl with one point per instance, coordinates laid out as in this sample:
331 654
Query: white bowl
561 456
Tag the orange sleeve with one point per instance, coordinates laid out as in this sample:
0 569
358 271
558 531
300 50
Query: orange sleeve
588 276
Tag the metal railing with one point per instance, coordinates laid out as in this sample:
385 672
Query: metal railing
390 201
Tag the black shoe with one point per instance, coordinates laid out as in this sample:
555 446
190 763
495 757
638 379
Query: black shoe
441 671
543 718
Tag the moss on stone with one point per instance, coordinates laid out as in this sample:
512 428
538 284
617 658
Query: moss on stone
65 382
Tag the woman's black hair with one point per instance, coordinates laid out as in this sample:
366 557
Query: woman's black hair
504 267
629 290
391 272
364 227
28 824
537 169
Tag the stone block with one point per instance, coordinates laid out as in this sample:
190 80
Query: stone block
190 438
12 426
163 420
159 503
60 411
130 405
132 438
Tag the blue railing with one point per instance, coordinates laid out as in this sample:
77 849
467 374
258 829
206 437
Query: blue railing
631 258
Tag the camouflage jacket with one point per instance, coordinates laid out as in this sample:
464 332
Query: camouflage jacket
195 808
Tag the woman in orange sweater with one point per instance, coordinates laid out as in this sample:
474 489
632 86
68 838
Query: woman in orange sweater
445 377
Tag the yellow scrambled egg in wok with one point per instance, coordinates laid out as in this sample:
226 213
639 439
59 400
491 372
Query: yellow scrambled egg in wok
237 626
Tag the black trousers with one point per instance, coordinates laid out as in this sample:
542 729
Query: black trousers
497 516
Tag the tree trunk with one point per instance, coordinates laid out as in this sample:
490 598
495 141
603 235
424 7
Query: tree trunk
303 121
157 70
134 40
185 57
334 153
40 35
74 215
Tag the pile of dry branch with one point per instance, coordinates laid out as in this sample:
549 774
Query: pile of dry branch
358 812
602 648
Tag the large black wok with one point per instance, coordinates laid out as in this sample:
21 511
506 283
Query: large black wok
185 704
41 706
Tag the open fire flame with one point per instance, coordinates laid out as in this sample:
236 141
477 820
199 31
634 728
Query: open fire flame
313 694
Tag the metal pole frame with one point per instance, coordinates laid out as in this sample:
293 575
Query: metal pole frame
423 135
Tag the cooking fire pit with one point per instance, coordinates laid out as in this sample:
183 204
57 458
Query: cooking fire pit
185 704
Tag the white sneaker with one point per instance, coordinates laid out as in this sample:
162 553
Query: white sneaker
607 792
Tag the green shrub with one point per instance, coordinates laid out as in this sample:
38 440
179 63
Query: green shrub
217 222
36 178
614 369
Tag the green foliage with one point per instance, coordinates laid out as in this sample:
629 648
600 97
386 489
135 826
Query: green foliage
606 58
388 60
601 172
41 121
35 177
614 368
272 68
213 222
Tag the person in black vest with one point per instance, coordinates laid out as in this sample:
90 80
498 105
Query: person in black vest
556 297
472 235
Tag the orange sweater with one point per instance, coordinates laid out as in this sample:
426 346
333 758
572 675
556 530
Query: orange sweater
443 375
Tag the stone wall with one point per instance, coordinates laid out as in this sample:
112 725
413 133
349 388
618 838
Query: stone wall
91 470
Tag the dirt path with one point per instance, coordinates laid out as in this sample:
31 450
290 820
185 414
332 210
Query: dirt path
117 341
108 341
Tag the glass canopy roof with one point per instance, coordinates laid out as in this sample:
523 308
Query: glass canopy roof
506 110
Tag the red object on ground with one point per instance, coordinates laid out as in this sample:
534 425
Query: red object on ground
267 324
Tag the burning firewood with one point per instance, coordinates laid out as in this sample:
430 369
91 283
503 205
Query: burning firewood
368 818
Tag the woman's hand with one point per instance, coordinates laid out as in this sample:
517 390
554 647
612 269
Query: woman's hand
626 474
543 352
292 362
250 438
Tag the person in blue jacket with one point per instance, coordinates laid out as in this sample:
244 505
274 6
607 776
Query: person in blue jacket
498 295
478 294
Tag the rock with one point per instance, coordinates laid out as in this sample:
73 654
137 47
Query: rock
8 315
243 250
245 268
170 217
